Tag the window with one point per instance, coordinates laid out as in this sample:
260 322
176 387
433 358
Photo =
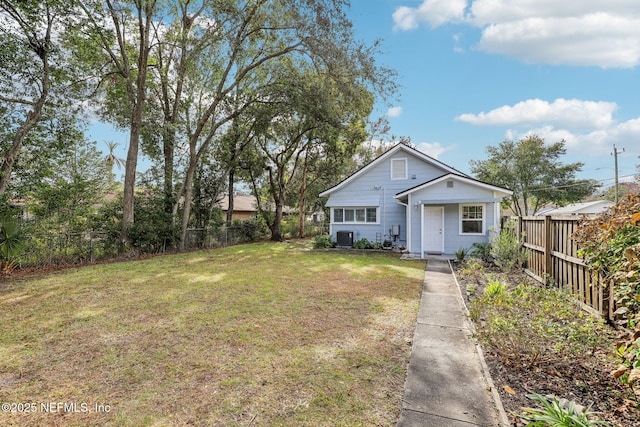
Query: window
398 168
472 219
355 215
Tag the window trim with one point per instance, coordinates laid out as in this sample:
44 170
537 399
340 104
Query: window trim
461 219
406 169
355 215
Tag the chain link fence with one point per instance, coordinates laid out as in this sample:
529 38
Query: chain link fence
79 248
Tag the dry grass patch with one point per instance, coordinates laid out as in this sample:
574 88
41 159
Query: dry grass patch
265 335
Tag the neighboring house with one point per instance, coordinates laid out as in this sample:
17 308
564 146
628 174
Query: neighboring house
413 200
585 208
244 207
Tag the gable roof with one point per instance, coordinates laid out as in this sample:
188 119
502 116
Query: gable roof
390 152
240 203
458 177
595 206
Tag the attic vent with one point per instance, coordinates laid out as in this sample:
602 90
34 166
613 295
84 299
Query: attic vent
449 184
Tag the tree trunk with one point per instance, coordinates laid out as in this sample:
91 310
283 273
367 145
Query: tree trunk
188 194
230 196
303 194
136 121
278 192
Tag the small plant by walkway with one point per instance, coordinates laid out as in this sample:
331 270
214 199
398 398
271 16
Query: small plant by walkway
269 334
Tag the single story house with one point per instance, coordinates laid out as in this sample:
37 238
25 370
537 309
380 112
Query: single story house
414 201
244 207
585 208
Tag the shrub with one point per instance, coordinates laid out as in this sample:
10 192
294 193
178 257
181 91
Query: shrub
483 251
507 248
323 242
251 229
610 245
362 244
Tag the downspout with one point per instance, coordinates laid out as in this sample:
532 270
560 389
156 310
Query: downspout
407 221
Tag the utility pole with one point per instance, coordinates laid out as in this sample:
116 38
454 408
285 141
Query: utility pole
615 158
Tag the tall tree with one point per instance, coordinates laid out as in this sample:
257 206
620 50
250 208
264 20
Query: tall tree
181 43
534 172
122 31
254 35
33 70
308 113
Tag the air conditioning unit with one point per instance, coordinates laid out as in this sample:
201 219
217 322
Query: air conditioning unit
344 238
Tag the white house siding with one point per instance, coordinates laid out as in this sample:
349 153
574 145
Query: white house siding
376 184
440 195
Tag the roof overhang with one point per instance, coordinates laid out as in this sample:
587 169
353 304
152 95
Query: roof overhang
499 192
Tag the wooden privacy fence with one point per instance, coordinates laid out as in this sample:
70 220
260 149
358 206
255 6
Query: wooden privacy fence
553 259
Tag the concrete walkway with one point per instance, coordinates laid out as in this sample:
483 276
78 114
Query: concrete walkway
446 384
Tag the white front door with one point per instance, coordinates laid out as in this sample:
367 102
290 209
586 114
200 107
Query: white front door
433 229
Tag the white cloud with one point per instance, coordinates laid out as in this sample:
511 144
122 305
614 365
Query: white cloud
434 149
583 33
571 113
600 39
596 143
433 12
394 112
587 127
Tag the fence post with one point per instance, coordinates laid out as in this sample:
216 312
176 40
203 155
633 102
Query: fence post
547 248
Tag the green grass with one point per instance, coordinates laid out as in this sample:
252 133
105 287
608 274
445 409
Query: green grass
266 334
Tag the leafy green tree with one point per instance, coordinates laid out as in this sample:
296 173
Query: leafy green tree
237 72
119 33
66 190
37 75
534 172
317 109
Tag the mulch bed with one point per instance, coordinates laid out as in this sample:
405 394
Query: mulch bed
587 381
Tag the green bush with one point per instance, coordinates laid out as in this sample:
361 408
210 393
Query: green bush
323 242
250 230
507 248
482 251
362 244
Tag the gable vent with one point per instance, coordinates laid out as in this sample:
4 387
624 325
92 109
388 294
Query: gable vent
449 184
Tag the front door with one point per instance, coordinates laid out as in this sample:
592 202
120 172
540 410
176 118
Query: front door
433 230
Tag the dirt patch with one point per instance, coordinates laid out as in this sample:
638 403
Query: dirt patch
586 380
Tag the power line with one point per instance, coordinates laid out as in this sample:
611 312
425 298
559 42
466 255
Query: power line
577 184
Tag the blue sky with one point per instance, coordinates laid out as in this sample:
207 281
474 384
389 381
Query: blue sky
476 72
473 73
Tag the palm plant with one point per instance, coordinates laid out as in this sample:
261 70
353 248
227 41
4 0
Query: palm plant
10 243
111 159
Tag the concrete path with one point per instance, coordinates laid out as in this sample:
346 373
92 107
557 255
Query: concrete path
446 384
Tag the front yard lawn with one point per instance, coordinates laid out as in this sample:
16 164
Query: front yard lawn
268 334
